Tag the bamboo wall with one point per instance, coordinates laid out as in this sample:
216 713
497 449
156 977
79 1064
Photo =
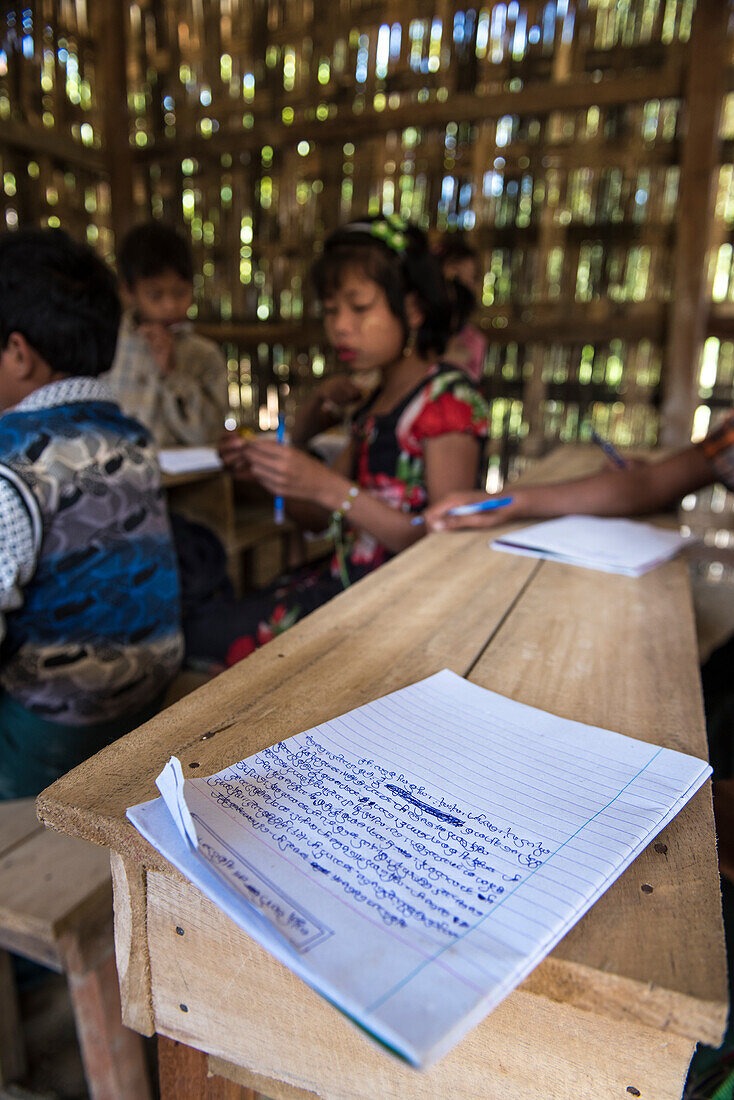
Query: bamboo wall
585 148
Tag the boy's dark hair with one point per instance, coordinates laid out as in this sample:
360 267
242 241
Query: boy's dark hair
61 297
397 257
151 249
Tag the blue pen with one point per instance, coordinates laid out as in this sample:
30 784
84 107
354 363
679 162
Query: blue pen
609 450
278 503
480 506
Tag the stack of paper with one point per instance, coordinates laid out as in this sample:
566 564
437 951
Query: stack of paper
611 545
188 460
414 859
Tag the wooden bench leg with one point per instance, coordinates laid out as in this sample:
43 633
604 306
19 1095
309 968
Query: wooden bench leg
184 1075
113 1056
12 1048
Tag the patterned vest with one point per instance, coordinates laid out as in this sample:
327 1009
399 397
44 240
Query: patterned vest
98 634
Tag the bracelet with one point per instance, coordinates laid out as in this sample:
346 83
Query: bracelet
347 503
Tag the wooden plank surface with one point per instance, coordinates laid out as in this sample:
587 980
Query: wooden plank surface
18 822
47 883
612 651
184 1073
628 662
378 636
253 1011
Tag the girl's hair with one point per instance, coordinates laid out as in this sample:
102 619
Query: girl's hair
397 257
454 247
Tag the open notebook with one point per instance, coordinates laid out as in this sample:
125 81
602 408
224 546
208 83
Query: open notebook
611 545
414 859
188 460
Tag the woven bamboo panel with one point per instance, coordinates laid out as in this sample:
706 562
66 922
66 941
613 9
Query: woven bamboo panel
549 132
263 127
51 164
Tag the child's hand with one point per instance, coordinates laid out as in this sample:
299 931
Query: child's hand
438 519
233 451
287 472
161 343
337 392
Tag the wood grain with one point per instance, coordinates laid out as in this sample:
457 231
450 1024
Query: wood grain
626 659
184 1074
624 996
131 947
376 637
241 1005
48 884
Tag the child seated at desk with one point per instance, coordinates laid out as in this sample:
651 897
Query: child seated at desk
89 601
418 437
163 374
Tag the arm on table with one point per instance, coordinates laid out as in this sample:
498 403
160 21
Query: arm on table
633 491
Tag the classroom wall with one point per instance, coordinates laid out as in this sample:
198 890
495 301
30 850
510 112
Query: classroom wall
585 148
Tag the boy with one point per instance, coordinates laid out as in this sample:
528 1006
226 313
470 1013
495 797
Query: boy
163 374
89 601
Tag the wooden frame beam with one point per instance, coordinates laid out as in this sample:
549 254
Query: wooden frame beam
539 98
690 304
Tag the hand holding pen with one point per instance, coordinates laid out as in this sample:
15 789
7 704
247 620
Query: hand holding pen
611 452
468 510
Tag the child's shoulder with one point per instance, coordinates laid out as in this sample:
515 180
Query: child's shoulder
68 417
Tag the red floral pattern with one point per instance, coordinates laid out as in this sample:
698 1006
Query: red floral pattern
390 461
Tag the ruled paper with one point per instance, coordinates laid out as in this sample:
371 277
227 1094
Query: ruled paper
596 542
415 858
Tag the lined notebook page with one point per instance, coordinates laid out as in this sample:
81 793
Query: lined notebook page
415 858
188 460
596 542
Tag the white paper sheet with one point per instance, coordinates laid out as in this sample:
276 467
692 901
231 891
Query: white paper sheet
188 460
414 859
594 542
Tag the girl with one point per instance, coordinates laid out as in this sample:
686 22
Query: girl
467 348
387 309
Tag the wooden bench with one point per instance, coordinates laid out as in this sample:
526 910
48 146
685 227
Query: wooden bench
56 909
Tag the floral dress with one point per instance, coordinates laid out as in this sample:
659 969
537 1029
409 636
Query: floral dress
390 448
389 463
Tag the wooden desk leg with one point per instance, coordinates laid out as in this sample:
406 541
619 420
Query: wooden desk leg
12 1048
183 1075
113 1056
723 791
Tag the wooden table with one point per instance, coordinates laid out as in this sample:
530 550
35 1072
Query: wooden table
617 1008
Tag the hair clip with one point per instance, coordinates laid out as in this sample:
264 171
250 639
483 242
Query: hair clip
391 232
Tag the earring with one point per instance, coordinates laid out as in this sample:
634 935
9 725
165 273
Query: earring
409 345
